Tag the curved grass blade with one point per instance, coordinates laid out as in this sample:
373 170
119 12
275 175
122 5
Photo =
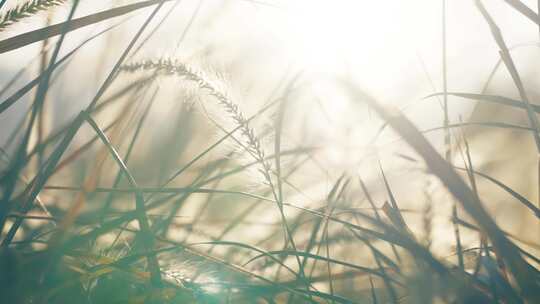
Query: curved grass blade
525 274
490 98
524 10
525 202
512 70
322 258
27 38
142 218
21 92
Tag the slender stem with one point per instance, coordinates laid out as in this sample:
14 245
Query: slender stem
20 154
448 152
447 139
142 218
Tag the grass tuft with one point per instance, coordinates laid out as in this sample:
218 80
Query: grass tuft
26 10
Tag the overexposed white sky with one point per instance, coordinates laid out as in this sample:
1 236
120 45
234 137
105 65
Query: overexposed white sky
392 47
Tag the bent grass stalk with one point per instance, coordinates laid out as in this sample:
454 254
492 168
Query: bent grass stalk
253 145
356 242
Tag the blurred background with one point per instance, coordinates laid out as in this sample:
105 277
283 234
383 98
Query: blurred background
263 51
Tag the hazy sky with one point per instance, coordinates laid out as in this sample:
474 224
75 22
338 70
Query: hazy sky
392 48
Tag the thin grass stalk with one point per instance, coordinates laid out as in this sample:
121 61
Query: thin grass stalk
188 26
373 293
524 10
21 92
148 236
448 152
252 146
138 128
27 38
212 147
509 63
41 114
21 153
379 257
447 139
25 10
44 174
522 271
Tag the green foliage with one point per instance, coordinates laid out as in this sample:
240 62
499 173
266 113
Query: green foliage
68 237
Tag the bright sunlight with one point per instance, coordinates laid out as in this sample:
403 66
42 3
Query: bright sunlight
269 151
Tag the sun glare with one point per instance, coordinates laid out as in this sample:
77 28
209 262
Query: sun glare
269 151
332 35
